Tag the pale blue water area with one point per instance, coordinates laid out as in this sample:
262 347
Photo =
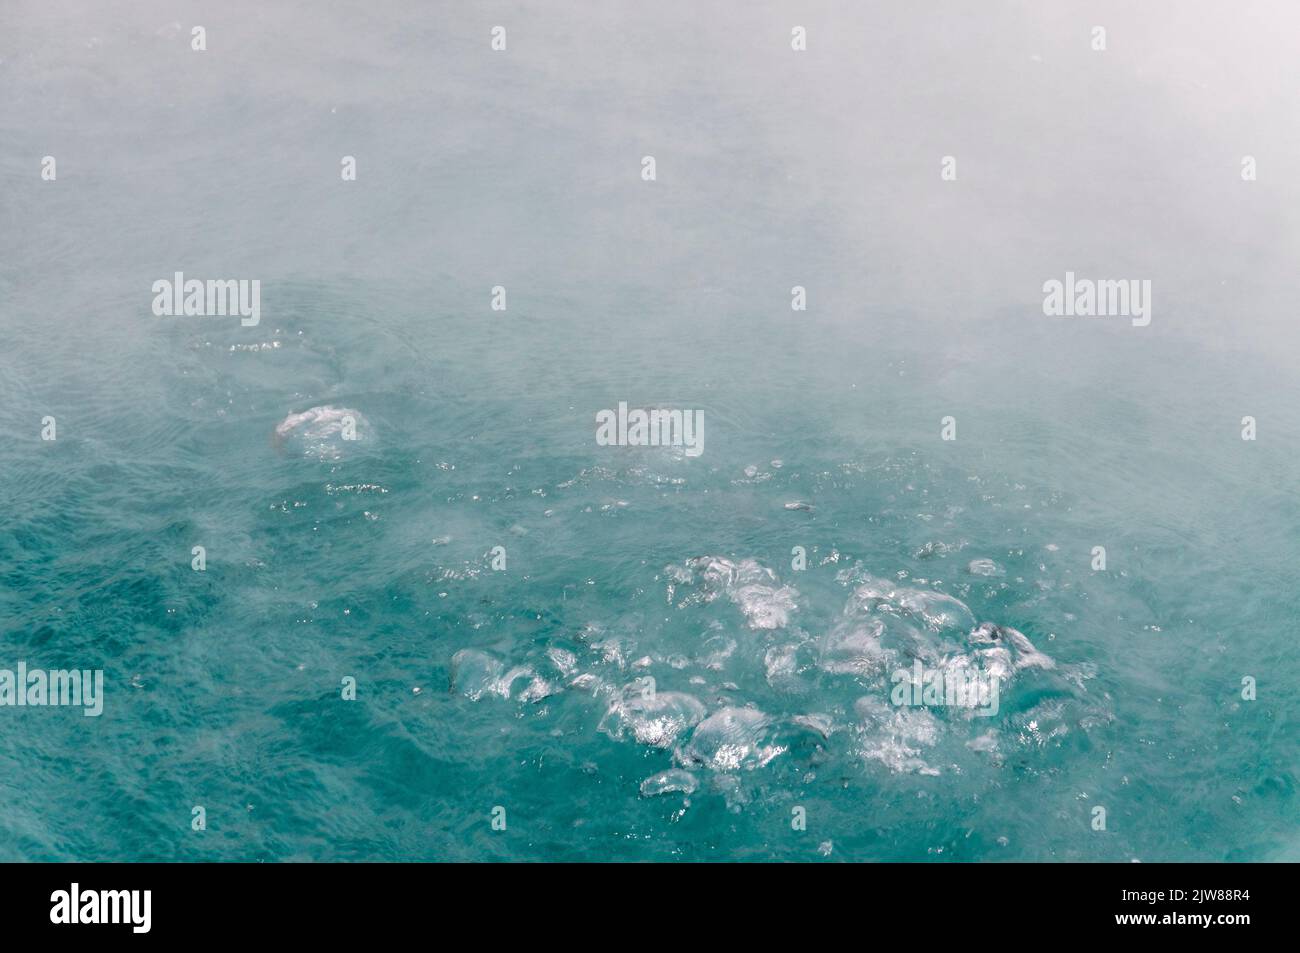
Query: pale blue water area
372 558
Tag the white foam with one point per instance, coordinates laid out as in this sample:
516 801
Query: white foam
667 782
730 739
652 718
322 431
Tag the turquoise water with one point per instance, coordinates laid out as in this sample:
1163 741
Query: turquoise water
518 689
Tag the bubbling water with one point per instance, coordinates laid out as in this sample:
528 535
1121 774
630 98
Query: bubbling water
323 432
808 698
